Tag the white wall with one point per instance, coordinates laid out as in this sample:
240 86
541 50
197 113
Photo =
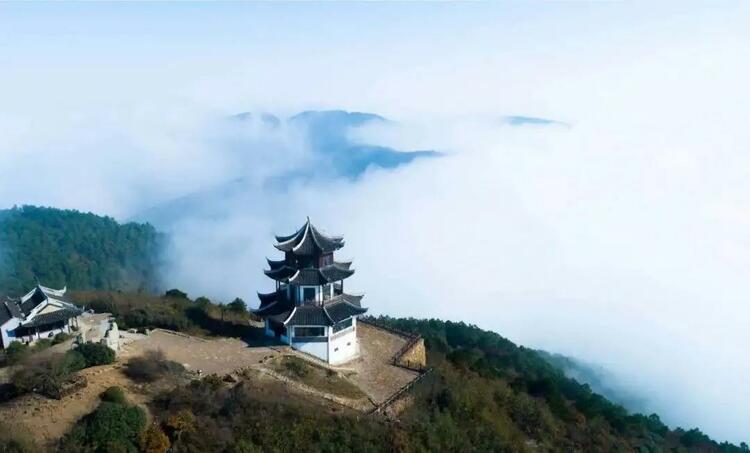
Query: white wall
343 346
9 325
318 349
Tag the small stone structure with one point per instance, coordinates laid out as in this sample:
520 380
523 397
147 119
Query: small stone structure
112 337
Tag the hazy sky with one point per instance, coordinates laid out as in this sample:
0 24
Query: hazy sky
622 239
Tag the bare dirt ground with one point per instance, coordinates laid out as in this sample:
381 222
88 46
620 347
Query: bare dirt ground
50 419
373 371
220 356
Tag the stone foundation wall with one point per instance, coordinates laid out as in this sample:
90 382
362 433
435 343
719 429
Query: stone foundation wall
415 356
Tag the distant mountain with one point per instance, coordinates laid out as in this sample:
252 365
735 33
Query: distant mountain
516 120
80 250
328 134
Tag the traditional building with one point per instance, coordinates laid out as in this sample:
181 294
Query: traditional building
309 309
41 313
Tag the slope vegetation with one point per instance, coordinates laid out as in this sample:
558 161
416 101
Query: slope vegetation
80 250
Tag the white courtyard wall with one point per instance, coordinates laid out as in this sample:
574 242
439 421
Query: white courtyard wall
318 349
343 346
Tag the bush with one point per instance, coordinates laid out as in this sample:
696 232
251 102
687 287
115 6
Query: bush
16 352
176 293
111 427
43 343
114 395
237 306
96 354
151 366
296 366
73 361
61 337
153 440
46 375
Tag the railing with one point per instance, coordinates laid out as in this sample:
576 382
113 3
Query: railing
412 340
379 409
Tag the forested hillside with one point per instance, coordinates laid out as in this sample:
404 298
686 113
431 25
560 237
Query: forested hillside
80 250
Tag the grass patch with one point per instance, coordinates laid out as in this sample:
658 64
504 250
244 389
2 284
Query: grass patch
316 376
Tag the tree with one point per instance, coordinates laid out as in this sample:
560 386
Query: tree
181 422
153 440
176 293
238 306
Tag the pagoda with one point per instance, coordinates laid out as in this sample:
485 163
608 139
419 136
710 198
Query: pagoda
309 309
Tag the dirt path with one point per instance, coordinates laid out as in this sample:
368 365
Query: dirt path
49 419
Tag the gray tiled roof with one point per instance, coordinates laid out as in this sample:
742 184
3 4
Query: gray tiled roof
336 272
341 310
309 315
55 316
273 264
308 240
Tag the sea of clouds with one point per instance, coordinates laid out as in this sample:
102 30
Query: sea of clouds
620 236
626 247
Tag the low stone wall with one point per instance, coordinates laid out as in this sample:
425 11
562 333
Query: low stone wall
413 355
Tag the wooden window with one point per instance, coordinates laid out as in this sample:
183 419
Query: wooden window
345 324
309 331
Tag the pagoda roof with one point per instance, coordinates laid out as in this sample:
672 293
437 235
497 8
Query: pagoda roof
281 273
308 240
273 264
311 276
331 312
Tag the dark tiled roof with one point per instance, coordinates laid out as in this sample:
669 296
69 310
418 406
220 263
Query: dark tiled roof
55 316
5 313
343 264
268 298
275 264
308 276
316 277
37 298
281 273
336 272
309 240
341 310
309 315
14 309
294 235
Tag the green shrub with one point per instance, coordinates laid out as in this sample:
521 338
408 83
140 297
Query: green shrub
111 427
296 366
43 375
114 395
61 337
96 354
73 361
43 343
176 293
237 306
16 352
153 440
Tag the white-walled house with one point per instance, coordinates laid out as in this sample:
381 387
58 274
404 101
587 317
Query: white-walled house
41 313
309 310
